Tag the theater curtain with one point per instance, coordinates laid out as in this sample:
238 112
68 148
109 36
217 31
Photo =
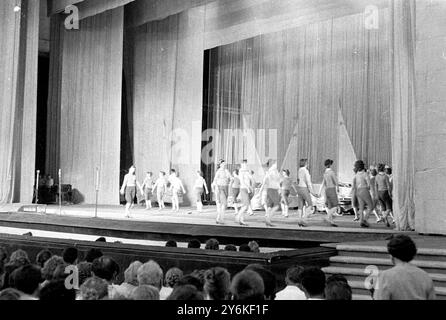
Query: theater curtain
297 81
9 48
90 114
403 111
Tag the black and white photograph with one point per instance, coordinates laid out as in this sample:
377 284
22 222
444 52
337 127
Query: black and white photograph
245 152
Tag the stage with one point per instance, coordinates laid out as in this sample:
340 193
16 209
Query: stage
187 224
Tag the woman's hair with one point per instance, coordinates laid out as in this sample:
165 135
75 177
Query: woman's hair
212 244
131 273
402 247
172 277
374 172
217 282
303 163
94 288
185 292
381 167
42 257
19 258
328 163
254 246
360 165
389 170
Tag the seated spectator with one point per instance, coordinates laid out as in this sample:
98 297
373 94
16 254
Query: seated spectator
42 257
244 248
247 286
254 246
101 239
84 271
145 292
185 292
106 268
404 281
337 277
130 280
27 280
93 254
70 256
60 273
338 290
56 291
17 259
151 274
230 247
10 294
194 244
199 274
172 278
217 282
50 267
93 288
313 283
191 280
293 281
171 244
212 244
3 257
269 280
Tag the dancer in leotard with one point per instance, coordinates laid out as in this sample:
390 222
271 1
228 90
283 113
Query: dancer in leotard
331 185
220 186
176 186
304 192
128 189
374 194
234 189
271 183
161 188
200 186
245 192
285 190
253 184
361 187
147 186
384 193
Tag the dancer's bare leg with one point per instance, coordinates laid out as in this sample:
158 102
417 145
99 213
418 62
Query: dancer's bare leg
240 219
127 209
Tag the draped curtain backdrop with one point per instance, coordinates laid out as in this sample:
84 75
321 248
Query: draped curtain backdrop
9 46
298 81
403 111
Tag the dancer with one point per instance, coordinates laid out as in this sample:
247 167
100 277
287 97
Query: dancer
271 183
285 187
355 203
374 194
304 192
234 187
220 187
361 187
245 192
199 187
253 184
161 188
147 186
129 189
390 175
384 193
176 186
331 185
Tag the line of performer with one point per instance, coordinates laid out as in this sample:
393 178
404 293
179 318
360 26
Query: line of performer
371 192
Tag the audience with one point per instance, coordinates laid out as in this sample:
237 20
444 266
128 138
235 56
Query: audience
337 288
313 283
269 280
84 271
150 274
130 280
70 256
186 292
93 288
247 286
107 269
172 278
191 280
293 289
254 246
404 281
194 244
50 267
93 254
230 247
42 257
10 294
27 280
212 244
171 244
145 292
217 282
57 291
101 239
244 248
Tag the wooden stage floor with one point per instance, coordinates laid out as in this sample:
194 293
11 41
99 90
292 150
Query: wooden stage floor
188 224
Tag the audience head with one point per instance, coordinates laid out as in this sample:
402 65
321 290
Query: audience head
93 254
94 288
101 239
212 244
337 277
57 291
199 274
338 290
131 273
191 280
173 276
19 258
26 279
42 257
105 268
185 292
10 294
247 286
254 246
194 244
217 282
145 292
70 255
244 248
402 247
269 280
84 269
230 247
50 267
294 276
59 273
3 255
150 273
171 244
313 282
